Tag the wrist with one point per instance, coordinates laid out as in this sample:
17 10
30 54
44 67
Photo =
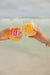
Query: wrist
48 42
45 38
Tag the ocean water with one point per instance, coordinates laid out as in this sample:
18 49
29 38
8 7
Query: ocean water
33 57
26 44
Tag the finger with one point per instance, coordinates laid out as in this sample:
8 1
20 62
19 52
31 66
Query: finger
8 29
38 30
8 38
5 30
31 36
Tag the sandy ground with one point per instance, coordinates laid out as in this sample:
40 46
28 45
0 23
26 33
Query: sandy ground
14 62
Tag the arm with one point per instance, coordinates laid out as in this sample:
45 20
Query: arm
41 36
4 34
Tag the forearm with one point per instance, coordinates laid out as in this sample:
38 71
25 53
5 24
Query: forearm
3 35
46 40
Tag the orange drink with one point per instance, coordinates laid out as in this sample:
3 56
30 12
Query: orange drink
29 26
15 32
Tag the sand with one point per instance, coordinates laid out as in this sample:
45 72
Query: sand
16 62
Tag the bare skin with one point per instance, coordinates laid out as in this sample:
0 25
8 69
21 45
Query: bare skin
40 36
4 34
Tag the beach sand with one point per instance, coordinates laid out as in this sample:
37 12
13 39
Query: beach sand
16 62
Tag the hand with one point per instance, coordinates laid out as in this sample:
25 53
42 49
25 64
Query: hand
40 35
4 34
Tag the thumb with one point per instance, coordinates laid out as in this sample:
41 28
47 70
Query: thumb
38 30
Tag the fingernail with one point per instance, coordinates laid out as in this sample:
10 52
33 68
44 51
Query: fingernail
35 29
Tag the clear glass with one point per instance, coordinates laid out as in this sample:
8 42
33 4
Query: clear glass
15 33
29 26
